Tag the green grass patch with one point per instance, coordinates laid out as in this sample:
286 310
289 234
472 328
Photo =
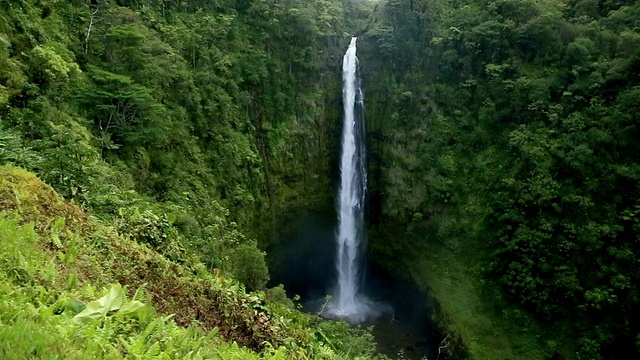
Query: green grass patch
473 308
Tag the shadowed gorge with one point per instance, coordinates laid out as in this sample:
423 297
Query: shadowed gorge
304 264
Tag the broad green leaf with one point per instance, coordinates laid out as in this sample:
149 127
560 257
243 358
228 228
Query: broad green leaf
130 307
99 309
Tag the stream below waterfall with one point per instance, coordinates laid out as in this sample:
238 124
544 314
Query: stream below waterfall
304 262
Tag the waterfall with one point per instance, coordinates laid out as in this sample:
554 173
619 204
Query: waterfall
347 302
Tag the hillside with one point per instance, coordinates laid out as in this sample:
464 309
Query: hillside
75 287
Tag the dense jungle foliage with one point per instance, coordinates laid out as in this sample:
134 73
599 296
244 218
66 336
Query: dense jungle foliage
505 141
503 158
207 117
191 131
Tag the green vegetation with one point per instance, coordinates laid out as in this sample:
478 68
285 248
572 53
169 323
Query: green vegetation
202 105
181 137
61 273
505 168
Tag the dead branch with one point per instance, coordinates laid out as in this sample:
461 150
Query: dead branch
91 22
443 345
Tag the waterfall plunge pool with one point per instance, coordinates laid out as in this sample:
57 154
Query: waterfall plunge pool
304 262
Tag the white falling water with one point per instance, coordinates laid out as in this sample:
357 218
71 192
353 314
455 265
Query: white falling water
347 302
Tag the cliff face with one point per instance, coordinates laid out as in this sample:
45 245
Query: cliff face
192 132
502 168
188 104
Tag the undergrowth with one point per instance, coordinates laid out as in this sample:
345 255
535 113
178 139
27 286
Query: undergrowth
73 287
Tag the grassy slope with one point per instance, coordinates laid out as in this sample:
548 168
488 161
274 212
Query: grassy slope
472 308
55 258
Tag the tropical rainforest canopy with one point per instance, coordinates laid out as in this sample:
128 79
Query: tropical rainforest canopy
174 140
